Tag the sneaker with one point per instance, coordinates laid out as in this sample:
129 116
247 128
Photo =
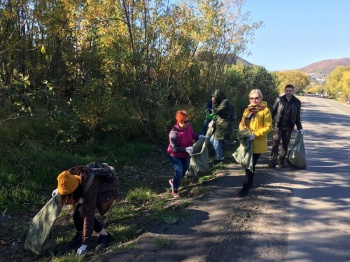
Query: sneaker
103 242
76 241
216 162
171 184
175 194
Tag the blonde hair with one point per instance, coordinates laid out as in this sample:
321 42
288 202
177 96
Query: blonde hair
256 91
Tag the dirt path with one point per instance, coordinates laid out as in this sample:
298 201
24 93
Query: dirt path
220 226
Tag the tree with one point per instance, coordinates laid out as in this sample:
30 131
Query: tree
143 59
320 89
337 82
241 79
346 86
297 78
173 53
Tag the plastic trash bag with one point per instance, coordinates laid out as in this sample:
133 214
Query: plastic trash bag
244 153
39 238
296 155
199 161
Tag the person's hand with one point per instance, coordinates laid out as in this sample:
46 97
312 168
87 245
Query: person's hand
251 137
302 131
81 250
212 116
201 137
189 149
211 123
54 193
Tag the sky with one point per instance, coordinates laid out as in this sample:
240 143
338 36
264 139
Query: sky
296 33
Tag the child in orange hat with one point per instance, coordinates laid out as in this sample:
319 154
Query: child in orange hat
72 186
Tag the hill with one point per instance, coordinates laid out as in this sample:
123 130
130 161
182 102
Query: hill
243 61
325 67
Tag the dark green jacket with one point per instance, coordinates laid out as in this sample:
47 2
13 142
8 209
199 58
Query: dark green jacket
225 114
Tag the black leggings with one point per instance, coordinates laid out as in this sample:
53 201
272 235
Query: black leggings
78 218
249 175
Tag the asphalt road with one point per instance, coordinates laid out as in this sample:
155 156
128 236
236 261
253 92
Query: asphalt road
319 229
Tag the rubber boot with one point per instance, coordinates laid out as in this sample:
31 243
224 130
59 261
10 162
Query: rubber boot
248 183
245 190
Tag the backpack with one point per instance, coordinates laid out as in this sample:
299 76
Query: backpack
100 169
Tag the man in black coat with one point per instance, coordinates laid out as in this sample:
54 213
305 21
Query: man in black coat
286 114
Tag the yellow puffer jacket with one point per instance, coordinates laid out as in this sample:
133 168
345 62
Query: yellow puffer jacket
259 126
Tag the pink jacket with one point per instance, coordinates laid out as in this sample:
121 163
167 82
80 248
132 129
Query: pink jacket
179 139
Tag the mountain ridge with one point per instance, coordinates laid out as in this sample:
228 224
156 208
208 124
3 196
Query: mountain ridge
325 67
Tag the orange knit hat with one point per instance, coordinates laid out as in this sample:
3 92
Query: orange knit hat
67 183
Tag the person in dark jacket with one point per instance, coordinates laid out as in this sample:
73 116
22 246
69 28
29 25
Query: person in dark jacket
224 115
286 114
181 138
86 195
208 117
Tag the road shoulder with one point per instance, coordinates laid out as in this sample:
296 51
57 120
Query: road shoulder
221 226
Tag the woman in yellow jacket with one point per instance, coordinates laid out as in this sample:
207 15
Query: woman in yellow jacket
257 118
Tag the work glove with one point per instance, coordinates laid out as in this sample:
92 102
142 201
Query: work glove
302 131
212 116
54 193
81 250
189 149
251 137
201 137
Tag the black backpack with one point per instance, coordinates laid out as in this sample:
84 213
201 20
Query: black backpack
100 169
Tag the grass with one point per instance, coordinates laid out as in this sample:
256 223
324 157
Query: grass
163 242
27 177
199 190
205 178
123 233
122 213
139 195
159 208
68 258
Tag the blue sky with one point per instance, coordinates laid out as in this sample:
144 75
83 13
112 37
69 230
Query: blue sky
297 33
